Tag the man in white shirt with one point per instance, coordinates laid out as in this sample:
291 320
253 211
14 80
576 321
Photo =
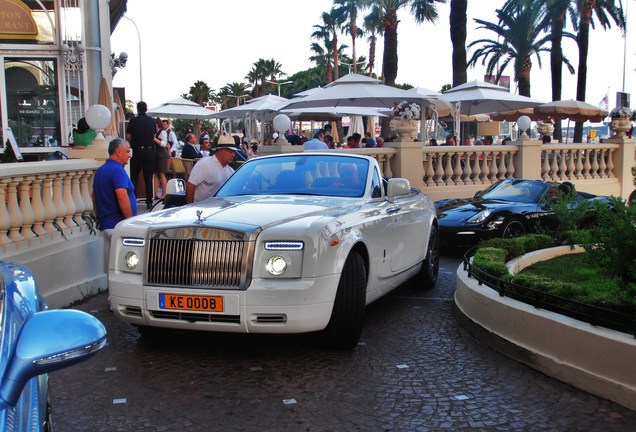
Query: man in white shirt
318 142
210 173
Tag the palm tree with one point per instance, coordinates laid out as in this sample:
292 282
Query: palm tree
605 10
329 28
232 93
322 57
422 10
273 69
348 10
518 39
556 11
253 77
372 27
458 37
200 93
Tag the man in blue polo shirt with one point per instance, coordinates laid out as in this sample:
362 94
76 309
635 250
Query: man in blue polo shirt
113 192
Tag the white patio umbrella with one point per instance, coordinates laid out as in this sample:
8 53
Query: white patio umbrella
258 109
181 108
259 105
356 125
355 90
479 97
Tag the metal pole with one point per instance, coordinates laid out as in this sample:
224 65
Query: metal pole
141 80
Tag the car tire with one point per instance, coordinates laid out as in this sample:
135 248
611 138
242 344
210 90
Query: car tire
427 276
345 325
513 228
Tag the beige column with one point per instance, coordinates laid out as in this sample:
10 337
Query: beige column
527 161
623 160
407 163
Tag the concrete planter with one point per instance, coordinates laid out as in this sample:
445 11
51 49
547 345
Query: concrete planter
595 359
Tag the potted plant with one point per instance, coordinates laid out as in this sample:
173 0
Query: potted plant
404 119
621 120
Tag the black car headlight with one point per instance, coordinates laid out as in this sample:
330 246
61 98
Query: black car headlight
480 217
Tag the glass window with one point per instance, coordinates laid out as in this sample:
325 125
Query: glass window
32 101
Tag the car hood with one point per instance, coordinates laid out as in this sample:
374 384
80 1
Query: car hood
254 210
462 209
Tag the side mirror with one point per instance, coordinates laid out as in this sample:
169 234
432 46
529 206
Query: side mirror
176 186
48 341
397 187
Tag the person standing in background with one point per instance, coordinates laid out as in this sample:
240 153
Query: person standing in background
141 134
113 192
164 140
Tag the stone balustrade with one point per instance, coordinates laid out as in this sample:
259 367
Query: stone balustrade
42 202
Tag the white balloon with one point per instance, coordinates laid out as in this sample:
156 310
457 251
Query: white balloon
281 123
98 117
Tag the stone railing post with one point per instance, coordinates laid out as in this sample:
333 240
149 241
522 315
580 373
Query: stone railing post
527 161
623 160
407 162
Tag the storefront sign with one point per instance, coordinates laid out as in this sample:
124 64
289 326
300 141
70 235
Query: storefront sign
16 21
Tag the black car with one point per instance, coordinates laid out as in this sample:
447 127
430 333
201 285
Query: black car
508 208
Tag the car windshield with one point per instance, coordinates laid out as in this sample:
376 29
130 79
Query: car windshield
304 174
523 191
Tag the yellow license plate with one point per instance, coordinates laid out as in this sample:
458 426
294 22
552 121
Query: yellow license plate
191 302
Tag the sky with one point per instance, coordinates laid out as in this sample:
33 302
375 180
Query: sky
218 42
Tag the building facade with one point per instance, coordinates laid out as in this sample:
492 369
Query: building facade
54 54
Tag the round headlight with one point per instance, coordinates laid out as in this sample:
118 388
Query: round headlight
131 260
276 265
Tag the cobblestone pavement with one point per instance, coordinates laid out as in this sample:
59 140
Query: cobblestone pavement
416 369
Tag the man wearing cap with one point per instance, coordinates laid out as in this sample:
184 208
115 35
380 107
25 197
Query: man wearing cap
141 136
189 150
209 173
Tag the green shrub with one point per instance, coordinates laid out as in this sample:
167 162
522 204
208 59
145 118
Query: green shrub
517 246
611 244
552 286
571 215
491 260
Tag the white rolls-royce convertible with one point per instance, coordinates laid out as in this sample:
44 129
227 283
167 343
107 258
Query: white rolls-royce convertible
291 243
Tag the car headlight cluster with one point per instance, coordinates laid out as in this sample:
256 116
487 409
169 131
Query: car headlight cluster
480 217
132 260
278 264
133 257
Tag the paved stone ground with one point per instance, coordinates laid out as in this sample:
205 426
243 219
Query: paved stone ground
416 369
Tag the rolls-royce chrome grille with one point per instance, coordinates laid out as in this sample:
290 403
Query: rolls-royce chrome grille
195 263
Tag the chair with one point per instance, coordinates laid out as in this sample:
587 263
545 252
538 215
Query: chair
178 170
187 166
182 167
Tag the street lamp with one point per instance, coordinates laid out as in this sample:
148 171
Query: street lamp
279 84
141 79
118 62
